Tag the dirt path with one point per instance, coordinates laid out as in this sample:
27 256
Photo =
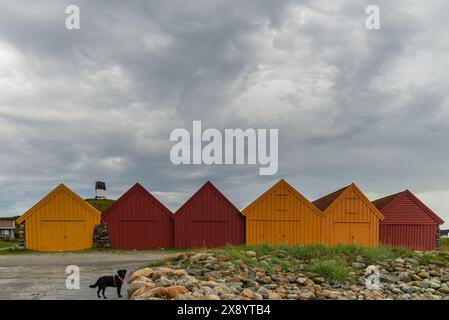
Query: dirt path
42 276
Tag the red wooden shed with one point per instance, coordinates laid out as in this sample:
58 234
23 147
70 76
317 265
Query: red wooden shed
137 220
408 222
208 219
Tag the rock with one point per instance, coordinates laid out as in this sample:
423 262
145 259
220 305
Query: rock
430 296
328 294
247 293
276 267
271 286
399 261
444 288
422 284
179 272
336 285
434 285
434 273
199 256
274 296
222 258
180 256
252 284
302 281
405 276
396 290
359 259
257 296
211 284
156 275
142 289
174 291
163 281
250 253
406 288
145 272
137 283
423 275
210 297
264 292
412 261
306 295
388 278
158 292
195 272
358 265
264 264
319 280
265 280
165 270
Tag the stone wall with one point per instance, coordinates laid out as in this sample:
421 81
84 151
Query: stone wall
101 236
438 238
22 240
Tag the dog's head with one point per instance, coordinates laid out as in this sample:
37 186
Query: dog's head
121 273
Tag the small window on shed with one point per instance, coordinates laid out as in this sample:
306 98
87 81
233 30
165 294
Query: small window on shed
281 200
352 205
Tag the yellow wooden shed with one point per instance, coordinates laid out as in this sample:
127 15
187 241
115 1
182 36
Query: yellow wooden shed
61 221
349 218
282 215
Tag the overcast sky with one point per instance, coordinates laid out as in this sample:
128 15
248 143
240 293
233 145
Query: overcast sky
99 103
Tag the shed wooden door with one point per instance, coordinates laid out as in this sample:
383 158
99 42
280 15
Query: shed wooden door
274 232
341 233
351 233
52 235
75 235
64 235
137 234
360 233
207 233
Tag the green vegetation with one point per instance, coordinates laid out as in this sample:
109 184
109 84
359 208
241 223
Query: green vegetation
100 205
343 253
332 263
331 270
9 218
444 244
6 244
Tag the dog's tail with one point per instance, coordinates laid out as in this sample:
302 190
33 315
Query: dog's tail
94 285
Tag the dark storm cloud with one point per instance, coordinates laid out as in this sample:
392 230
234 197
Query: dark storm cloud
99 103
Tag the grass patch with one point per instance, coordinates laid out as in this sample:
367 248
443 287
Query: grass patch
100 205
6 244
444 244
346 253
330 270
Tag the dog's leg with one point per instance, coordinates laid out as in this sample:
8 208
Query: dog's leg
98 292
103 292
118 291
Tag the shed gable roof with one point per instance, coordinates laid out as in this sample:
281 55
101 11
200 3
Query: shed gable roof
276 186
136 188
324 202
208 186
386 203
49 197
329 201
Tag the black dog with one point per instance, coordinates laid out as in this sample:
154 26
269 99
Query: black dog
110 281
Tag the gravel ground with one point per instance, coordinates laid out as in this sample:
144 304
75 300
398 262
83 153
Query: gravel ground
42 276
